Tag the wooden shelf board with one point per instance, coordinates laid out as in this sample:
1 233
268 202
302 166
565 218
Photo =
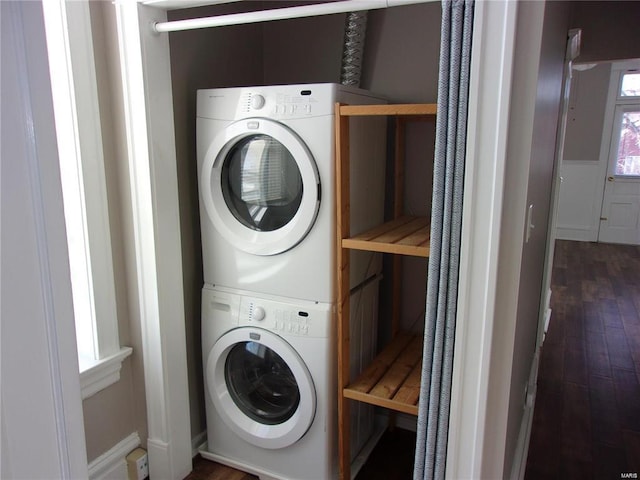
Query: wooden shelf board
409 392
404 236
398 109
392 380
382 402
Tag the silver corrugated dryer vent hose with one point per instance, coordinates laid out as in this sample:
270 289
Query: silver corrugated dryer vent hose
355 30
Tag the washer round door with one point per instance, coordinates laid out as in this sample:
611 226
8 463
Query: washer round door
260 387
260 186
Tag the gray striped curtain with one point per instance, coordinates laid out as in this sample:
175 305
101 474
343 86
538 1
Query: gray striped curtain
446 221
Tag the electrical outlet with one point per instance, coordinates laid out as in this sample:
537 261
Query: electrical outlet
138 464
143 467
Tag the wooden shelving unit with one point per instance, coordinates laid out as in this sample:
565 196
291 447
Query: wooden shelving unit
392 380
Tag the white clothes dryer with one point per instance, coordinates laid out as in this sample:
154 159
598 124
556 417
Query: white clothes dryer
270 370
266 178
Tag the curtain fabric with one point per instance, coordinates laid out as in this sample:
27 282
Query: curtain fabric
446 222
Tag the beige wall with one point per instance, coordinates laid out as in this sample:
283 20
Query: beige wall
296 51
585 117
304 50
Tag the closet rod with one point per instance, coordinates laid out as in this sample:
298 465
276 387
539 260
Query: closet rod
343 6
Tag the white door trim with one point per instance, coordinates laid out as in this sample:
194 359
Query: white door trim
573 36
147 93
40 379
609 143
489 106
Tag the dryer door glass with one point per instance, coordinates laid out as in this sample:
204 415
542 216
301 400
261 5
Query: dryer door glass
261 183
261 384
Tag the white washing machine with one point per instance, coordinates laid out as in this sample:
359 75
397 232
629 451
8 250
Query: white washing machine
270 375
266 179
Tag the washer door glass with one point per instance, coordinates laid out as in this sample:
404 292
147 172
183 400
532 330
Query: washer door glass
261 384
261 183
260 387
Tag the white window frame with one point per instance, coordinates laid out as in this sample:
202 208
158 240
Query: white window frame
80 147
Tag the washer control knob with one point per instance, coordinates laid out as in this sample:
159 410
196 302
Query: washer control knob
259 314
257 102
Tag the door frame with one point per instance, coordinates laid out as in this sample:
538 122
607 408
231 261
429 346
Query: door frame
470 453
607 144
41 401
573 35
146 77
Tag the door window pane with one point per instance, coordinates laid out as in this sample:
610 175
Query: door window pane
630 85
628 162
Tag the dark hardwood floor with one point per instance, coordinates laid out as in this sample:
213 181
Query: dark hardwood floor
392 459
207 470
587 414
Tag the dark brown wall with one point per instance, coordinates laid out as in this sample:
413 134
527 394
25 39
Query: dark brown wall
609 29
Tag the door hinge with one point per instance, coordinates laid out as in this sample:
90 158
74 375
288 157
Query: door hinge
604 218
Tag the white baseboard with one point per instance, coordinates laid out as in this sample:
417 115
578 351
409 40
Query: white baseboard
112 465
577 234
519 465
199 442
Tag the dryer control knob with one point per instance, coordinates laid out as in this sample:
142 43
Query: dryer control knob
257 102
259 314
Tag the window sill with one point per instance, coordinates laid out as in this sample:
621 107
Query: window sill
97 375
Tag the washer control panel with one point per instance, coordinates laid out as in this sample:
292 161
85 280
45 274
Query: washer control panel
314 320
282 102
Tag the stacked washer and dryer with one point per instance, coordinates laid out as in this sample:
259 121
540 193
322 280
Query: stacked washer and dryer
267 203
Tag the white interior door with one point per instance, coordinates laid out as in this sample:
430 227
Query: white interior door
620 216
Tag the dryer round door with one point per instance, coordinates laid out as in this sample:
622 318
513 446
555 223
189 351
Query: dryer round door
260 186
260 387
